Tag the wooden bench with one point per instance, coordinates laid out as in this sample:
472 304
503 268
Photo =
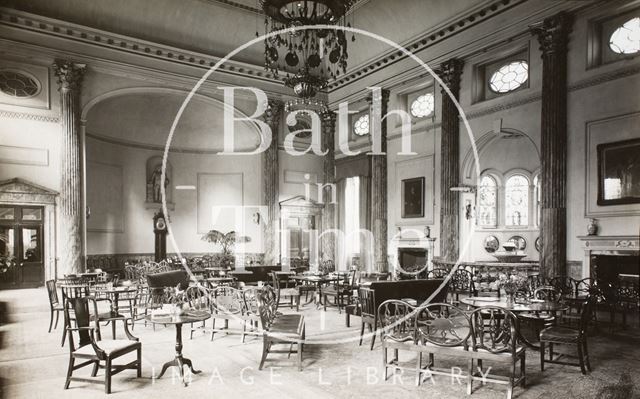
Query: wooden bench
279 328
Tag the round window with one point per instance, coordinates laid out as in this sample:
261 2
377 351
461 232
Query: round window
626 38
16 84
423 105
361 125
509 77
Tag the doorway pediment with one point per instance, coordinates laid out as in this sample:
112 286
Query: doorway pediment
23 191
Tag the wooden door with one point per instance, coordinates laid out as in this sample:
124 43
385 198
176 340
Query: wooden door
21 242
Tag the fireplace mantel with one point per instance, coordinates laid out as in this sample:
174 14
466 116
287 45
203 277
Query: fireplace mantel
607 245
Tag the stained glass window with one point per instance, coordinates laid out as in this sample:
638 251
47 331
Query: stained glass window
17 84
423 105
487 202
361 126
509 77
626 38
517 201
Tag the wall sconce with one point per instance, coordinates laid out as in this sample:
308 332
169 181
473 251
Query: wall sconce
256 218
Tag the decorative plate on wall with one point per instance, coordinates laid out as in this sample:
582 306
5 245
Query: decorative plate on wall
538 244
491 244
519 242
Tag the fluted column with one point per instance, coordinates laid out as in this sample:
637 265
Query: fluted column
329 167
271 187
553 35
450 73
71 184
378 103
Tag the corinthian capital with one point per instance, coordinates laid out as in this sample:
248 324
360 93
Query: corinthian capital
450 72
553 33
69 74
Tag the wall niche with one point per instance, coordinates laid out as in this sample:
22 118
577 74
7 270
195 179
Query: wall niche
154 183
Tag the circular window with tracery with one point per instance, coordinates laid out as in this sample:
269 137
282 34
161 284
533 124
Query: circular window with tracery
423 105
361 125
16 84
626 38
509 77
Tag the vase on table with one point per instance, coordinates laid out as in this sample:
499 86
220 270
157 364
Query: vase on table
511 298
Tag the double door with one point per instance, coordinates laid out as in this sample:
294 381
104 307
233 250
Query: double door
21 246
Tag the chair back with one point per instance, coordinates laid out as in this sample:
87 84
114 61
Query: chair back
437 273
72 291
546 294
462 281
443 324
367 299
250 300
197 297
495 330
534 281
52 292
586 314
227 300
82 308
328 266
562 285
267 307
396 320
582 287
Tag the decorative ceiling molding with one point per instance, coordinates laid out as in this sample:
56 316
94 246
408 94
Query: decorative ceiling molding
29 117
259 11
427 39
48 26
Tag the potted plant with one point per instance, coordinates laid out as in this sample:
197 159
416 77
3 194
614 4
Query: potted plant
226 241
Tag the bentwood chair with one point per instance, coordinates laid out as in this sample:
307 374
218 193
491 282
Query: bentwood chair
96 352
54 303
569 336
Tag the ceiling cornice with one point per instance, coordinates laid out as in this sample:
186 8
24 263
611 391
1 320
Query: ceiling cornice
259 11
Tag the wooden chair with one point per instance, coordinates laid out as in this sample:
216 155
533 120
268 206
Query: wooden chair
293 294
442 329
142 305
54 303
340 291
563 285
227 303
96 352
569 336
278 328
462 284
495 338
197 297
628 299
71 291
368 314
250 313
396 319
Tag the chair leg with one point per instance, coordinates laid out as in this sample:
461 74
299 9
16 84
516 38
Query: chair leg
57 315
418 368
265 351
69 372
213 327
373 337
299 356
581 358
586 354
107 376
96 365
541 356
51 320
361 333
523 369
64 336
470 377
512 378
139 369
384 361
347 320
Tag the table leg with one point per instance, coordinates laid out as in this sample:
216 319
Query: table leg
114 313
179 361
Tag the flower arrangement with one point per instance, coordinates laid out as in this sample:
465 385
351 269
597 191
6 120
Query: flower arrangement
512 284
174 296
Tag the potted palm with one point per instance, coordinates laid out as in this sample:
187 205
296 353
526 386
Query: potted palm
227 243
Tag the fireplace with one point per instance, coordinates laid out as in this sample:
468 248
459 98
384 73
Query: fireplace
412 259
611 257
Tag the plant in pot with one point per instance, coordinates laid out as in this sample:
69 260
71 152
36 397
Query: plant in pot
227 243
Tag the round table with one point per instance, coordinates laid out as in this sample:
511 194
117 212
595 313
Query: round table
178 321
533 306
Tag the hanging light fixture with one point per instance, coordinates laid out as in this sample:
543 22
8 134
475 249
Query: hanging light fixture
309 57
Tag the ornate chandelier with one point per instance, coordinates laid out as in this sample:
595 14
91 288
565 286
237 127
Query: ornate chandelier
309 57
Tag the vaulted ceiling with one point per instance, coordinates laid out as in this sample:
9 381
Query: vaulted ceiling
216 27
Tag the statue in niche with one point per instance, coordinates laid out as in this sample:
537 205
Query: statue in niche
155 184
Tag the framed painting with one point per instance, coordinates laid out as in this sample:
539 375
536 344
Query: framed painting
619 172
413 198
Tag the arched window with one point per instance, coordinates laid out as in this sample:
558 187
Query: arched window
537 199
487 202
423 105
516 193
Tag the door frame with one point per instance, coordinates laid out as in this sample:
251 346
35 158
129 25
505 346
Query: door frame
20 192
18 225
